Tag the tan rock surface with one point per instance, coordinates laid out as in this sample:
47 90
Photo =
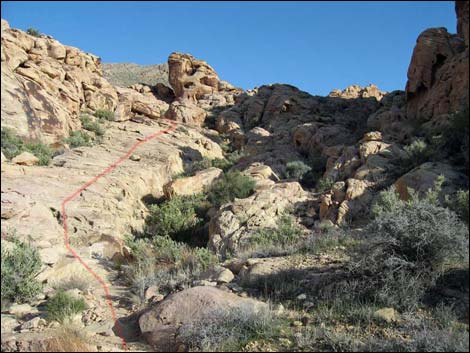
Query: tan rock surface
192 185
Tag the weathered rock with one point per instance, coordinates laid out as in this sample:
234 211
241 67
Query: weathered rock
355 91
232 226
20 310
192 185
186 112
160 325
25 158
423 178
218 274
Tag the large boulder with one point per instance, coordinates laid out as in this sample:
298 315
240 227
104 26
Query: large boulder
233 225
423 178
192 185
160 324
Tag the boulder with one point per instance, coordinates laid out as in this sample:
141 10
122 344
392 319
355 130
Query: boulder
25 158
159 325
192 185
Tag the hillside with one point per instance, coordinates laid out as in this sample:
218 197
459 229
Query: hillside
125 75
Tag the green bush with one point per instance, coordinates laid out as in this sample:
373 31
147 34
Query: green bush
296 170
92 126
230 329
12 146
20 266
164 263
63 306
324 184
104 114
178 218
455 138
33 32
78 138
232 185
460 205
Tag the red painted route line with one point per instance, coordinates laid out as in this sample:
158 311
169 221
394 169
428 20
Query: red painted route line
76 193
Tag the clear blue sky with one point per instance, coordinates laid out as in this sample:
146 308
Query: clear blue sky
316 46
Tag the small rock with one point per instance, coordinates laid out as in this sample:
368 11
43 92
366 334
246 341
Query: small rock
4 159
204 282
20 310
135 157
386 314
151 292
302 297
26 158
9 323
296 323
33 324
226 276
279 309
158 298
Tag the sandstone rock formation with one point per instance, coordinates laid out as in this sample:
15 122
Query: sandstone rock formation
439 70
192 185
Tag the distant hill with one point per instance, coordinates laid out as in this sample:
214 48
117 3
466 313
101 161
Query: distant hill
127 74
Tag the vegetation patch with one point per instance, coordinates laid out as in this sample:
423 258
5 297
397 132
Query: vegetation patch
90 125
62 307
78 138
324 184
296 170
21 264
12 146
232 185
104 114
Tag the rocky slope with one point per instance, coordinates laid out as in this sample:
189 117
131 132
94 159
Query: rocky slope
352 138
125 75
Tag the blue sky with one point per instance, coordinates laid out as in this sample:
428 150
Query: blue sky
316 46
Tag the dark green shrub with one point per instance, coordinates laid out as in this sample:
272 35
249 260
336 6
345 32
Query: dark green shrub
178 218
63 306
78 138
324 184
460 205
33 32
296 170
20 266
104 114
92 126
232 185
12 146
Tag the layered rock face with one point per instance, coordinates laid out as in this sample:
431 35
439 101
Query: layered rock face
439 69
197 89
46 84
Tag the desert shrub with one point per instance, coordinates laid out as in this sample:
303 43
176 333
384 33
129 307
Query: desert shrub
63 306
454 139
198 166
232 185
104 114
78 138
67 339
91 125
165 263
407 246
12 146
75 281
282 240
328 240
179 218
324 184
296 170
460 205
227 330
417 153
20 266
33 32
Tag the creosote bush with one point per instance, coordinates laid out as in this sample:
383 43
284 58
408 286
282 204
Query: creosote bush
20 266
79 138
33 32
104 114
296 170
63 306
232 185
324 184
91 125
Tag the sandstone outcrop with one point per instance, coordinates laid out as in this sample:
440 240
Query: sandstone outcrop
192 185
439 70
233 225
